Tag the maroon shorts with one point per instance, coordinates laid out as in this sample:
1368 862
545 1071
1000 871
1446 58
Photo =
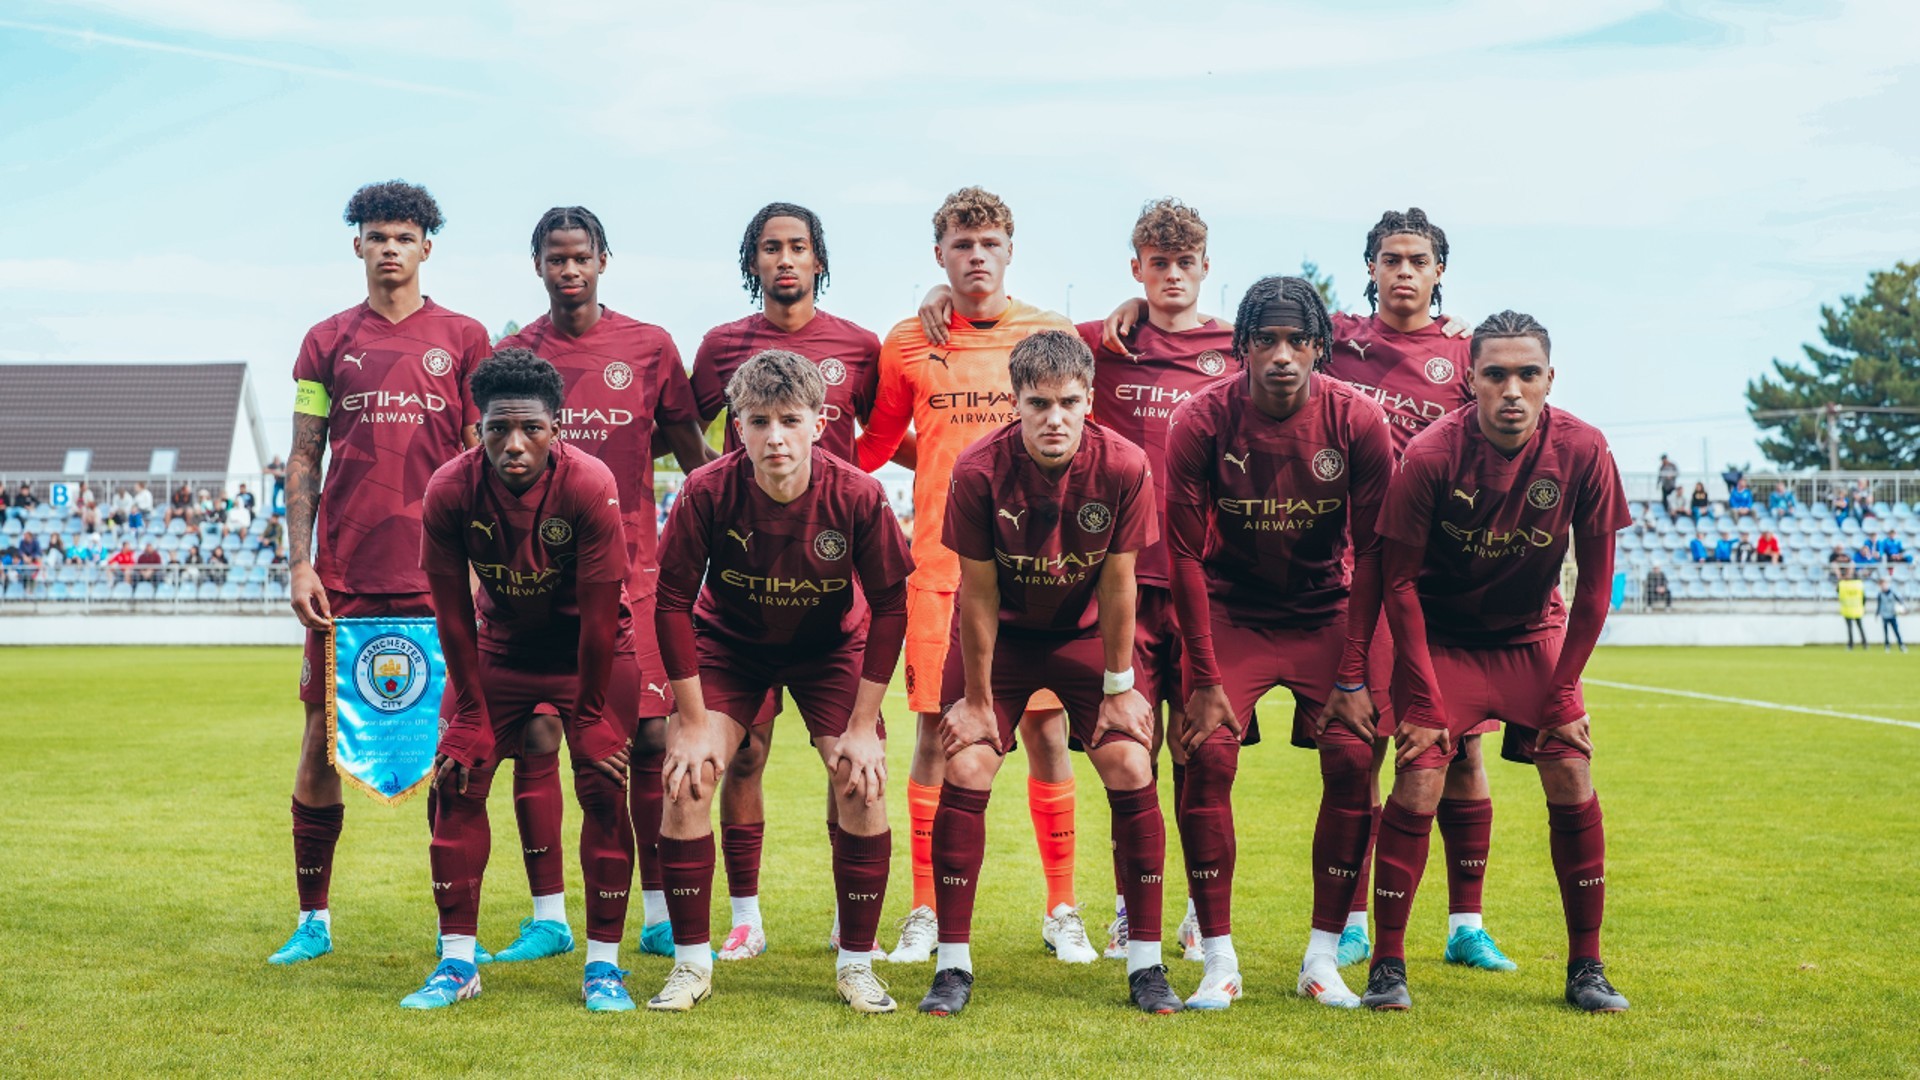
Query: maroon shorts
1380 680
1500 682
1255 659
313 663
1157 647
513 695
745 688
1074 668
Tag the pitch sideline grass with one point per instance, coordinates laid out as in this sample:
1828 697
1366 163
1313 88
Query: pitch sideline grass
1760 867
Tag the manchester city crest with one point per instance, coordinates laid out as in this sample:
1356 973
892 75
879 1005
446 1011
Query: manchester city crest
555 531
832 371
1543 495
1439 370
830 545
1328 464
618 375
1095 517
390 672
437 361
1211 362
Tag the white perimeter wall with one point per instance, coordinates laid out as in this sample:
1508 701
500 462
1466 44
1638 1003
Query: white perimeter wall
1735 628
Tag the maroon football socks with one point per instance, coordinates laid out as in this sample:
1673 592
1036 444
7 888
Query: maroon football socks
537 803
740 849
316 830
1140 857
1401 857
606 852
1206 831
1466 832
959 847
1340 833
1579 846
686 869
860 866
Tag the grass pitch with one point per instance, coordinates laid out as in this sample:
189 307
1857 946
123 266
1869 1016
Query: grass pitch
1761 917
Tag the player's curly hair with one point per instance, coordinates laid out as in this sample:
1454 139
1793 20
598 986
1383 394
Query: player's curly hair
750 245
1169 225
570 217
394 200
1509 324
972 207
1049 356
772 378
1246 322
1412 223
516 373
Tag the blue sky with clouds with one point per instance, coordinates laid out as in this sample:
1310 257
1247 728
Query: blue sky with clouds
1673 189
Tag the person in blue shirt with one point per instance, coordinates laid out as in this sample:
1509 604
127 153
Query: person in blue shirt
1697 548
1782 503
1740 501
1892 549
1723 549
1866 553
1887 605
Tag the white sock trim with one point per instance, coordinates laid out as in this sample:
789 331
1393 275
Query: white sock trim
654 901
955 954
700 956
321 914
603 952
458 947
1464 918
551 907
1357 918
1322 943
1142 955
746 910
1222 947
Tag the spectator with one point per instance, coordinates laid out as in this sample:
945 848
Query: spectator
274 536
1723 548
1657 590
1889 605
1697 548
24 499
142 500
1731 477
245 498
56 552
149 559
1782 503
217 564
1743 548
1892 550
1840 505
1669 480
1862 499
239 514
29 549
1853 606
277 469
123 560
1767 549
1701 505
204 503
86 549
1740 501
90 517
180 505
1866 554
190 566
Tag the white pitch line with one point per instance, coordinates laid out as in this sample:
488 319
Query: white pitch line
1754 704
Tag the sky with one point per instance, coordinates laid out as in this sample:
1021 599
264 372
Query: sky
1673 189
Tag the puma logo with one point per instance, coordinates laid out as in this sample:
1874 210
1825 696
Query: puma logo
1466 498
656 688
483 527
938 359
356 361
1359 348
743 539
613 502
1240 461
1011 516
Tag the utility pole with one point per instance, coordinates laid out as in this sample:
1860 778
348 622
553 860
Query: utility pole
1830 415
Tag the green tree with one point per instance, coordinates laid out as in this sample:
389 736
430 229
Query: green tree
1862 389
506 332
1322 283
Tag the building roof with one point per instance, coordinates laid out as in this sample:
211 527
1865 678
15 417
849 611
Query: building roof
122 412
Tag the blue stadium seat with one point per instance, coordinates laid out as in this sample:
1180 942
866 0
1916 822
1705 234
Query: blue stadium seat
241 557
209 591
1806 590
1718 590
168 544
251 591
69 574
16 591
143 591
230 591
13 527
57 591
121 591
177 526
1740 590
164 591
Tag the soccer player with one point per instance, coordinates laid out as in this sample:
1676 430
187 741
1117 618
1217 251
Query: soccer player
795 547
537 521
1476 525
954 394
1173 354
1273 482
783 267
1048 516
1416 367
382 387
624 386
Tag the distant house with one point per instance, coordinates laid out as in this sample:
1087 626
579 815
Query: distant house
129 419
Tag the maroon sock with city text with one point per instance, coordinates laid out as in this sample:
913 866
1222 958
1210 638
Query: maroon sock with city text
1400 858
606 852
959 847
537 806
1466 833
1206 832
1340 832
740 850
1579 846
860 865
462 840
1363 886
645 803
316 831
1140 857
686 869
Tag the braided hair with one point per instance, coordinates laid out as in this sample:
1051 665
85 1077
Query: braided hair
1510 324
1286 290
1412 223
750 245
570 217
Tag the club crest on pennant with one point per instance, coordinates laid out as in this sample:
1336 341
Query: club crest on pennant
384 681
388 671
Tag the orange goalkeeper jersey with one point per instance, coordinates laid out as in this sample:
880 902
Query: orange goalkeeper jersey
954 394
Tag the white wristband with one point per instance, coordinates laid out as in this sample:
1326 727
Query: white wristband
1119 682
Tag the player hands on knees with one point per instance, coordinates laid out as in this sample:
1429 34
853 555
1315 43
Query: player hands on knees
538 524
1047 515
1477 490
780 567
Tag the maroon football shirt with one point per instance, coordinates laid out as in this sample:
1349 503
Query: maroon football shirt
1271 509
1496 529
787 576
847 355
1134 398
623 378
529 551
397 406
1048 536
1417 378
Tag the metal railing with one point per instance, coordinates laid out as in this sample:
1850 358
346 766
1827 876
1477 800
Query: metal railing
83 587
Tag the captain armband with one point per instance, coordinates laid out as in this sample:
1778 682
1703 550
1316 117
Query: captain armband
310 399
